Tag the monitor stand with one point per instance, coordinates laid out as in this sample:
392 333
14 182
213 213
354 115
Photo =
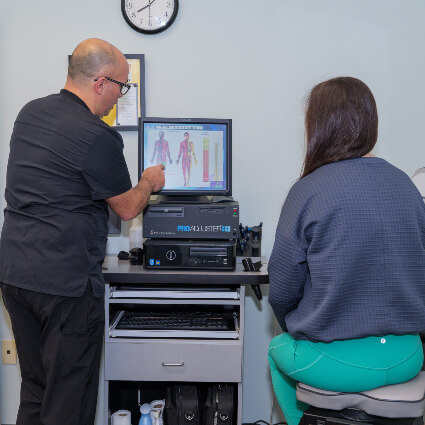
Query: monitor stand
199 199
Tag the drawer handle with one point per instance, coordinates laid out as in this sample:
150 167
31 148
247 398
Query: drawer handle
172 364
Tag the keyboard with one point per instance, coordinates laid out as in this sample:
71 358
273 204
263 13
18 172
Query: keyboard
188 320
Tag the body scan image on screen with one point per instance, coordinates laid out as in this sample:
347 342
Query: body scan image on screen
194 154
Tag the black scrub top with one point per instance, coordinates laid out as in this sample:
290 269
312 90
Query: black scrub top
63 162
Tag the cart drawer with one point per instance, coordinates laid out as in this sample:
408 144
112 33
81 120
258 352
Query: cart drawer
173 361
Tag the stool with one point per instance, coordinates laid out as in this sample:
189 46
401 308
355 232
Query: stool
401 404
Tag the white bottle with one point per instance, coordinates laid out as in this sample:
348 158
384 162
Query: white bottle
157 408
136 233
155 417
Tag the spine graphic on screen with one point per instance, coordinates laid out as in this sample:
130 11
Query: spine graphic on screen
186 152
161 150
216 161
206 161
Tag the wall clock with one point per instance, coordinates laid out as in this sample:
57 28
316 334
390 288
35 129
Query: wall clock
149 16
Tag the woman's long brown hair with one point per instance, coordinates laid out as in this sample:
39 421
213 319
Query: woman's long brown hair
341 122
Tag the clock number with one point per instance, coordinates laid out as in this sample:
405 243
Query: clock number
166 14
130 5
133 15
168 4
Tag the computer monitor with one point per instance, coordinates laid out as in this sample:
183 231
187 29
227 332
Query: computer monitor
196 153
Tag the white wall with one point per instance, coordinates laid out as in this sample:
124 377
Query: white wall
249 60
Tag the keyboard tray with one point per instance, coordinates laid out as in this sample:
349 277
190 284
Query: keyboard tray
158 324
184 292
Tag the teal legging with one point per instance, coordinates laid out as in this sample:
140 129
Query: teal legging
349 366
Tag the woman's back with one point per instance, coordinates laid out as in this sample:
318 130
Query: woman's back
349 254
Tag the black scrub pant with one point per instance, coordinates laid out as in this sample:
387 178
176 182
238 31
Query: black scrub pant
59 343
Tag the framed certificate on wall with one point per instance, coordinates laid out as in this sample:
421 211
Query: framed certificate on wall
125 114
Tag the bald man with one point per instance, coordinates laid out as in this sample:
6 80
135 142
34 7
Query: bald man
65 166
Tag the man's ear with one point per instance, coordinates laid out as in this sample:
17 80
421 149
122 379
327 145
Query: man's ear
100 85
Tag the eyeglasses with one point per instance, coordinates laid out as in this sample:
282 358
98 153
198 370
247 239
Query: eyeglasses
124 87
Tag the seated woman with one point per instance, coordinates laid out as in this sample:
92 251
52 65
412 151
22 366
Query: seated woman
347 270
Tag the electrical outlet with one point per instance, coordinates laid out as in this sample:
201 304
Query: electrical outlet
8 351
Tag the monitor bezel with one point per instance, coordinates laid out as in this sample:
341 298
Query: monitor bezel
225 121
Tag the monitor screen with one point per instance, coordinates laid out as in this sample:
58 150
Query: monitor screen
196 154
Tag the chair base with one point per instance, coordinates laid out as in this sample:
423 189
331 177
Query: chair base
315 416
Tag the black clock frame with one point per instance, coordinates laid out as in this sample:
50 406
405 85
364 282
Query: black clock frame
156 31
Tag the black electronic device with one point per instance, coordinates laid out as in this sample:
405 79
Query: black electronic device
249 241
165 220
190 254
196 153
249 266
135 255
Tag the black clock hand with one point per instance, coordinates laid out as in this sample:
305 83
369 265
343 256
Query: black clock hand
150 12
143 8
148 5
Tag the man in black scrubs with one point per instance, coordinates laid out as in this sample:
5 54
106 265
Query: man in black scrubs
65 166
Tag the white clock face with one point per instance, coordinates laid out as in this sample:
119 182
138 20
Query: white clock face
150 15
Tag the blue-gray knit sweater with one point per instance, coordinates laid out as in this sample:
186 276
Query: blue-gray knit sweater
349 256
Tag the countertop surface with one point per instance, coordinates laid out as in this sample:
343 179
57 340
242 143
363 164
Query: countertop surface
121 271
